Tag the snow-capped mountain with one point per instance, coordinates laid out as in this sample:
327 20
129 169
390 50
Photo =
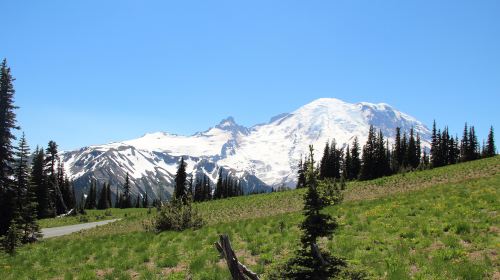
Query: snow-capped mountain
263 156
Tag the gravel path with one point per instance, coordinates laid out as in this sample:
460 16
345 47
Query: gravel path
60 231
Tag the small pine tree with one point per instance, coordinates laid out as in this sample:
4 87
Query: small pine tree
355 160
301 179
39 181
25 199
490 149
180 191
127 197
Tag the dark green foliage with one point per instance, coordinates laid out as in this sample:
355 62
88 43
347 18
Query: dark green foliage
12 239
138 201
306 263
104 197
375 161
176 215
180 191
145 201
7 125
490 150
126 198
90 200
51 165
330 165
25 199
355 164
45 208
301 178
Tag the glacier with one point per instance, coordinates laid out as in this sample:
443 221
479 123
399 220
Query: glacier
263 157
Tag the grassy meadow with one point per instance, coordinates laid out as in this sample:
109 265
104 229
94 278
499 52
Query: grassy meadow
434 224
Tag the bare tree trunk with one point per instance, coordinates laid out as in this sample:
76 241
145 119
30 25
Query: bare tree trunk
238 270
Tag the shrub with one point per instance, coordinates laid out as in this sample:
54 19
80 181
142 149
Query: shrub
12 239
176 215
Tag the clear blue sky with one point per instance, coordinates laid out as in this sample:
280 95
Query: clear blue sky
91 72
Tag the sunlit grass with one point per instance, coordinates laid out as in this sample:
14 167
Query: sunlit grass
444 225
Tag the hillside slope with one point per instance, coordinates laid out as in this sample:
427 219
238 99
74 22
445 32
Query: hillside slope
435 224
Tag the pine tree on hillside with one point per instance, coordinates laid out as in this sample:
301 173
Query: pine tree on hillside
382 165
398 151
103 202
346 166
39 181
90 201
311 262
490 149
301 179
25 198
198 190
138 201
51 163
7 126
218 186
355 160
108 195
465 147
180 191
434 156
207 189
127 195
411 152
145 200
368 158
325 167
473 144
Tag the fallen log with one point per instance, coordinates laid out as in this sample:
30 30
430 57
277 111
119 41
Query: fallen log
238 270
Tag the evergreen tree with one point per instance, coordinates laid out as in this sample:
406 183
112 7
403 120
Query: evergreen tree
198 190
465 147
127 197
26 196
39 182
325 170
382 165
308 264
301 179
108 195
218 186
411 152
398 151
355 166
368 158
145 201
207 189
473 144
490 149
138 201
434 146
346 163
90 201
51 163
103 202
180 191
7 125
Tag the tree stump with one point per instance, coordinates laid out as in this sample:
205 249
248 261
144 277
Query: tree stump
238 270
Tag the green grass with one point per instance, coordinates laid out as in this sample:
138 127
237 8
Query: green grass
436 224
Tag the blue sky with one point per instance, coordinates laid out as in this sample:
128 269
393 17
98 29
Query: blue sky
91 72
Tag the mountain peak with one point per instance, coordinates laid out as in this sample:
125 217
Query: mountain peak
229 124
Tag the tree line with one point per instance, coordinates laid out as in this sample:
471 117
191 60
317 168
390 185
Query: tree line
377 158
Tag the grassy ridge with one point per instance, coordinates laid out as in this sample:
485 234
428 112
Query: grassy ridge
437 224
